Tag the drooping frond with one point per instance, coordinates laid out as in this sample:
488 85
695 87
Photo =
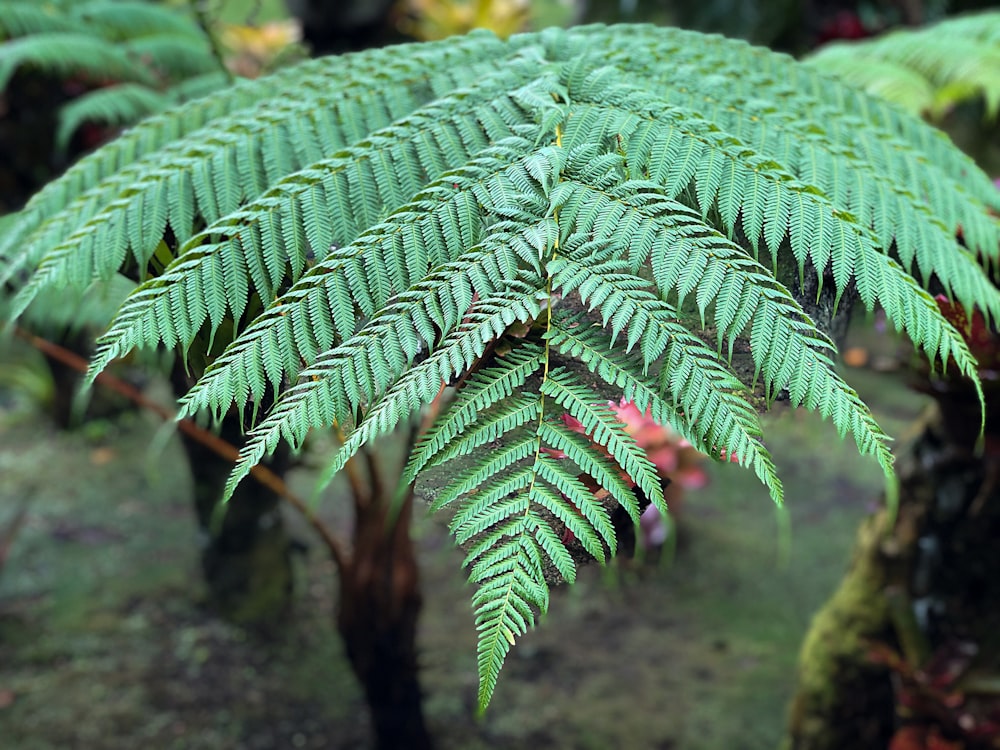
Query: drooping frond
518 232
356 372
740 87
123 20
114 105
926 71
248 151
729 423
68 52
341 98
124 103
480 393
356 187
24 17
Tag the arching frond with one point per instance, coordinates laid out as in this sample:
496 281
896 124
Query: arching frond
357 371
114 105
68 52
382 85
716 78
356 186
24 17
247 151
121 20
926 71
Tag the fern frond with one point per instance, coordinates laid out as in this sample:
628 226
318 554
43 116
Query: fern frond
321 306
482 391
113 105
55 312
174 56
125 103
889 80
262 107
687 255
605 473
121 20
786 350
506 520
489 480
603 428
722 418
740 86
510 585
490 427
25 18
67 53
358 184
360 369
926 71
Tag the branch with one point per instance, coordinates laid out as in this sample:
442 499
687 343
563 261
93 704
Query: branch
211 441
9 533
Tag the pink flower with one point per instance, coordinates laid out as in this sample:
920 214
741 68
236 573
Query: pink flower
673 456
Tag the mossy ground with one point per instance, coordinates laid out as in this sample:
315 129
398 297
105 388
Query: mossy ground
103 644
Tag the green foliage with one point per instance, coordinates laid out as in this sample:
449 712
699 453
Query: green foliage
357 232
148 50
125 103
927 71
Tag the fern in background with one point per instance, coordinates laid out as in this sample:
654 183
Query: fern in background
154 56
539 224
927 71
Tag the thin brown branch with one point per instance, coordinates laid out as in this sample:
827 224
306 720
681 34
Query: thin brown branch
210 440
9 533
375 476
361 494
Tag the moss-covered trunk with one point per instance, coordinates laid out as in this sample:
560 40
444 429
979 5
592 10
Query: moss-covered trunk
917 583
843 699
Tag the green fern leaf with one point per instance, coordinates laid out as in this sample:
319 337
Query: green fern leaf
260 107
604 429
113 105
120 20
26 18
725 421
478 394
69 52
363 274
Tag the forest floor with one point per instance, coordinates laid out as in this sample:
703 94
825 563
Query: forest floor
103 644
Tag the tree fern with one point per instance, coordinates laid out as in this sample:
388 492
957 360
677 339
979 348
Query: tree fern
529 227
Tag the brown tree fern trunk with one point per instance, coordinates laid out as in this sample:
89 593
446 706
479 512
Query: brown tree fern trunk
245 557
378 609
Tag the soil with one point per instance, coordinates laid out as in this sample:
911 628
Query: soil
104 644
